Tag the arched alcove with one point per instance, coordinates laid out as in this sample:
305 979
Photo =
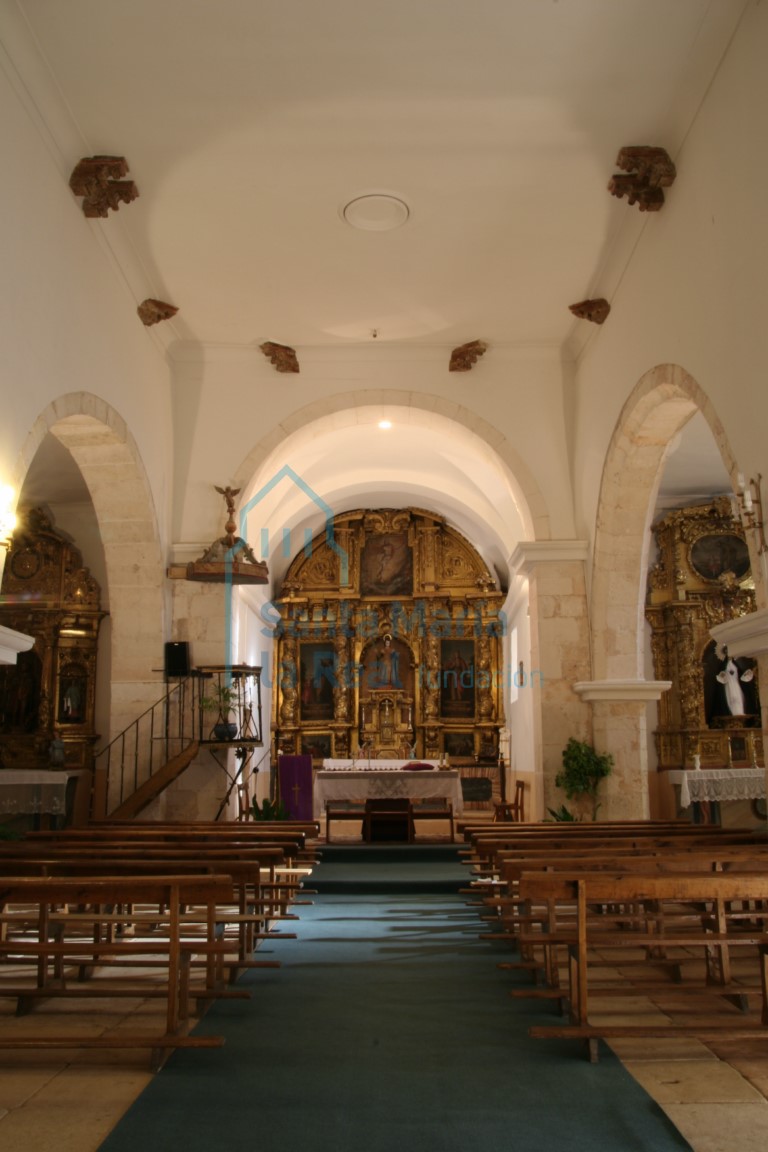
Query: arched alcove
658 408
113 475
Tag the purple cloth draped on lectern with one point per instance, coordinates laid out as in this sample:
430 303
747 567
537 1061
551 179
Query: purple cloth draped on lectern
296 786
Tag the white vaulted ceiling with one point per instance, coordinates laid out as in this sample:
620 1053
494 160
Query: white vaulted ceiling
249 124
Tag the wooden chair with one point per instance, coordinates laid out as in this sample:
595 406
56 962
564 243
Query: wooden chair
244 810
513 810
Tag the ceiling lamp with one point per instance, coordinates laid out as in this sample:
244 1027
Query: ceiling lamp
376 212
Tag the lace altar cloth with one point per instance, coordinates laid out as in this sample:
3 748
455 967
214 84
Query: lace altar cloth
359 786
719 784
33 792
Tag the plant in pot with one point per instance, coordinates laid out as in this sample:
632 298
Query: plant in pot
583 769
268 810
223 701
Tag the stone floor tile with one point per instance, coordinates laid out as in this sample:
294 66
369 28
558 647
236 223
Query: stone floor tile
722 1127
693 1081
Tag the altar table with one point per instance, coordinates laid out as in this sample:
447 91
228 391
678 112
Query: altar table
719 784
361 785
34 792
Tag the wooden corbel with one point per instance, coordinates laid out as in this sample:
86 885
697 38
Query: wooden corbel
594 310
98 179
283 357
466 356
153 311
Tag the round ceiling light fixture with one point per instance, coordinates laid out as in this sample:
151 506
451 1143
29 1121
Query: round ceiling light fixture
376 212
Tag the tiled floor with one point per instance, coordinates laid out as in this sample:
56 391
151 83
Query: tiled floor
69 1100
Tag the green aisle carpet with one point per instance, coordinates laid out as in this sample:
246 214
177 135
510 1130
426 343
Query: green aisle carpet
388 1027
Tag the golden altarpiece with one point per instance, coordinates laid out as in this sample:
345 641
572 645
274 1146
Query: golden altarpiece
389 645
51 690
702 578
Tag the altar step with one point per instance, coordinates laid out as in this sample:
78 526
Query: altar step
379 869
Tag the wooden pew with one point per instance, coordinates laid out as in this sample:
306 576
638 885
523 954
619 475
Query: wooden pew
54 937
513 916
716 930
260 904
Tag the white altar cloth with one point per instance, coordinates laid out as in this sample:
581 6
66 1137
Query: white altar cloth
719 784
386 784
363 764
34 792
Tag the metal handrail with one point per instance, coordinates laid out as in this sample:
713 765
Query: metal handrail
163 730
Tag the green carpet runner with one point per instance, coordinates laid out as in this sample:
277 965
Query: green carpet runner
388 1027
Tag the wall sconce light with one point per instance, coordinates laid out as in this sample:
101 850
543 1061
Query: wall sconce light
751 510
7 515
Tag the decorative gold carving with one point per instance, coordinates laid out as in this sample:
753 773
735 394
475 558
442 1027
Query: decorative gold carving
651 170
386 646
595 310
283 357
153 311
693 587
322 568
98 179
48 594
229 559
464 358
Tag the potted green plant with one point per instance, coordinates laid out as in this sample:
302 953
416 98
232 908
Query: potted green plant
222 700
583 769
268 810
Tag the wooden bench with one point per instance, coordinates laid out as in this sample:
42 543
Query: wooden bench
263 898
52 923
715 919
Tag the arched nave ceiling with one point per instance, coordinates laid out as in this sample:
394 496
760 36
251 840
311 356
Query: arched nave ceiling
424 460
249 125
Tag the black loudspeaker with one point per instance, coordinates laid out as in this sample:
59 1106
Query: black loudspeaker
176 658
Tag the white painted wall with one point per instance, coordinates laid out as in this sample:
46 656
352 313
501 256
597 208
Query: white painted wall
68 320
696 288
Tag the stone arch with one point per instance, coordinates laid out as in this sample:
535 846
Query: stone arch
533 508
660 405
109 460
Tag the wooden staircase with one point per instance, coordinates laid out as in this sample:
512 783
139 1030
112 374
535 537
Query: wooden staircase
157 783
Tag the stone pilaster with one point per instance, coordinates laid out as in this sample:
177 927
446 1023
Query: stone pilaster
555 571
619 726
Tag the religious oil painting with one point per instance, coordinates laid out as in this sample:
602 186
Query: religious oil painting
317 745
317 680
457 679
386 565
459 745
73 686
714 555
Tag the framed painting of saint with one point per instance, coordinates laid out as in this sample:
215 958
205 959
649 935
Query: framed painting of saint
457 679
317 680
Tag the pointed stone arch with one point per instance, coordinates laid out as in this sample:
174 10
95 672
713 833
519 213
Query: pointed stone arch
111 466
